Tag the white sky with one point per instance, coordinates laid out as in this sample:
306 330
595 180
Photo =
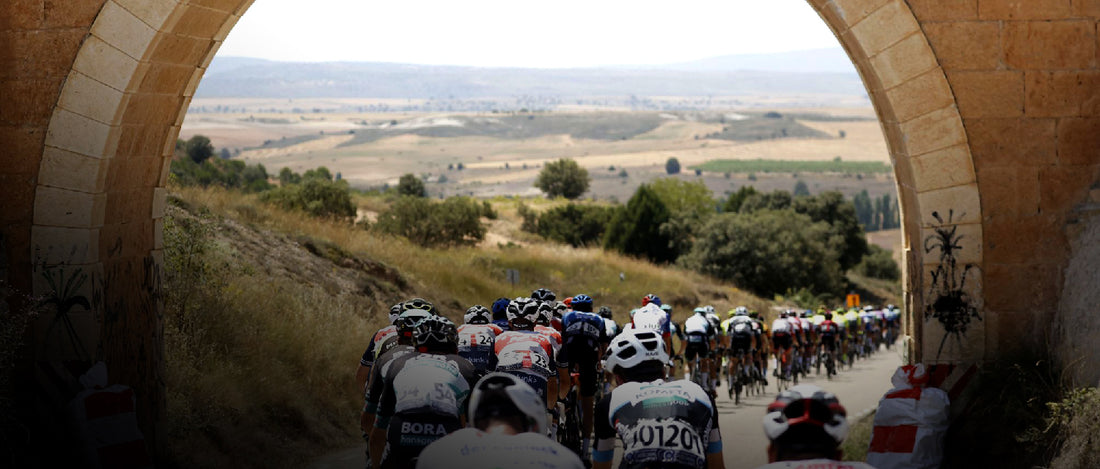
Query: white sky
523 33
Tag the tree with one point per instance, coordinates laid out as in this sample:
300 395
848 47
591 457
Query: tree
315 196
319 172
577 225
831 207
672 166
683 196
775 200
199 148
801 189
287 177
636 230
736 199
411 185
563 178
225 155
768 252
455 221
879 263
864 213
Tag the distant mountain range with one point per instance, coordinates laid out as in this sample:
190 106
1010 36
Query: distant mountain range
824 71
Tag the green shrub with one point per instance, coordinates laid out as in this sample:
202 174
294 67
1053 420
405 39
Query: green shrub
411 185
230 174
315 196
576 225
879 263
636 230
768 252
530 218
563 178
455 221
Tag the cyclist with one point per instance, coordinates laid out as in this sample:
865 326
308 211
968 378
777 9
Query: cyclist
476 338
671 424
651 298
828 332
423 395
543 294
763 342
526 354
698 331
809 339
797 339
611 328
506 428
556 309
782 338
805 426
716 349
651 317
367 361
403 344
500 313
740 337
584 337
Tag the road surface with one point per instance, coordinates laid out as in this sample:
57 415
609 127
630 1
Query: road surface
743 441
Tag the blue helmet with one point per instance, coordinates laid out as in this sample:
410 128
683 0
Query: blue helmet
582 303
500 308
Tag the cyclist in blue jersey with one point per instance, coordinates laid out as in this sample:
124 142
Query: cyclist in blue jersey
583 336
500 313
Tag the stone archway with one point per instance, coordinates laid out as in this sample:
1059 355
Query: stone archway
991 144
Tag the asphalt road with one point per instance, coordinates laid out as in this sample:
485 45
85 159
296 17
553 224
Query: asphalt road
743 440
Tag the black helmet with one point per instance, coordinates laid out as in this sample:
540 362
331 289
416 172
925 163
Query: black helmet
407 321
546 311
436 333
605 312
543 294
477 314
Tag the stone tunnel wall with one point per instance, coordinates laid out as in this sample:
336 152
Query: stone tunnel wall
990 110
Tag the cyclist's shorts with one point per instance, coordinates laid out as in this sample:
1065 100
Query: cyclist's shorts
584 357
694 349
536 380
408 434
781 341
829 341
740 344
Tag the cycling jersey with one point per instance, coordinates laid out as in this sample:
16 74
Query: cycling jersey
829 331
473 448
423 398
527 356
370 354
661 424
781 326
816 464
610 327
475 343
653 318
740 331
698 331
782 332
376 384
553 334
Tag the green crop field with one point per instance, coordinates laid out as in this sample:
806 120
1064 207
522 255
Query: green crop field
793 166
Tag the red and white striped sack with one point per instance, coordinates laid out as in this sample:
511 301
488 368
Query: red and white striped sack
107 427
910 423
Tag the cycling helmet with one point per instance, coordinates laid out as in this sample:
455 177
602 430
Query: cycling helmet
868 308
560 308
651 298
419 303
506 396
546 311
407 321
807 313
741 311
605 312
543 294
700 310
783 314
500 308
568 302
435 333
395 311
806 416
710 309
631 349
667 309
828 316
522 313
582 303
477 314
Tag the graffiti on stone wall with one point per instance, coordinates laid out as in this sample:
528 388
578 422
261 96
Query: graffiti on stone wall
948 302
64 295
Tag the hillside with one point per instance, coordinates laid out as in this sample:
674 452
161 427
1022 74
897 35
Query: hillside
268 312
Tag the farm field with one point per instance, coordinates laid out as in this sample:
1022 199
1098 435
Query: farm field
501 154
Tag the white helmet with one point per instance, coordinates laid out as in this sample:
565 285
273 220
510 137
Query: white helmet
741 311
806 404
709 309
477 314
503 394
523 312
632 348
395 311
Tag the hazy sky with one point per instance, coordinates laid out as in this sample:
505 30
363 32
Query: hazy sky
549 34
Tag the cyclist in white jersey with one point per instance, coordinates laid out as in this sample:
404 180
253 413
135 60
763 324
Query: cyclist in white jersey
653 318
667 424
506 429
805 426
698 331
